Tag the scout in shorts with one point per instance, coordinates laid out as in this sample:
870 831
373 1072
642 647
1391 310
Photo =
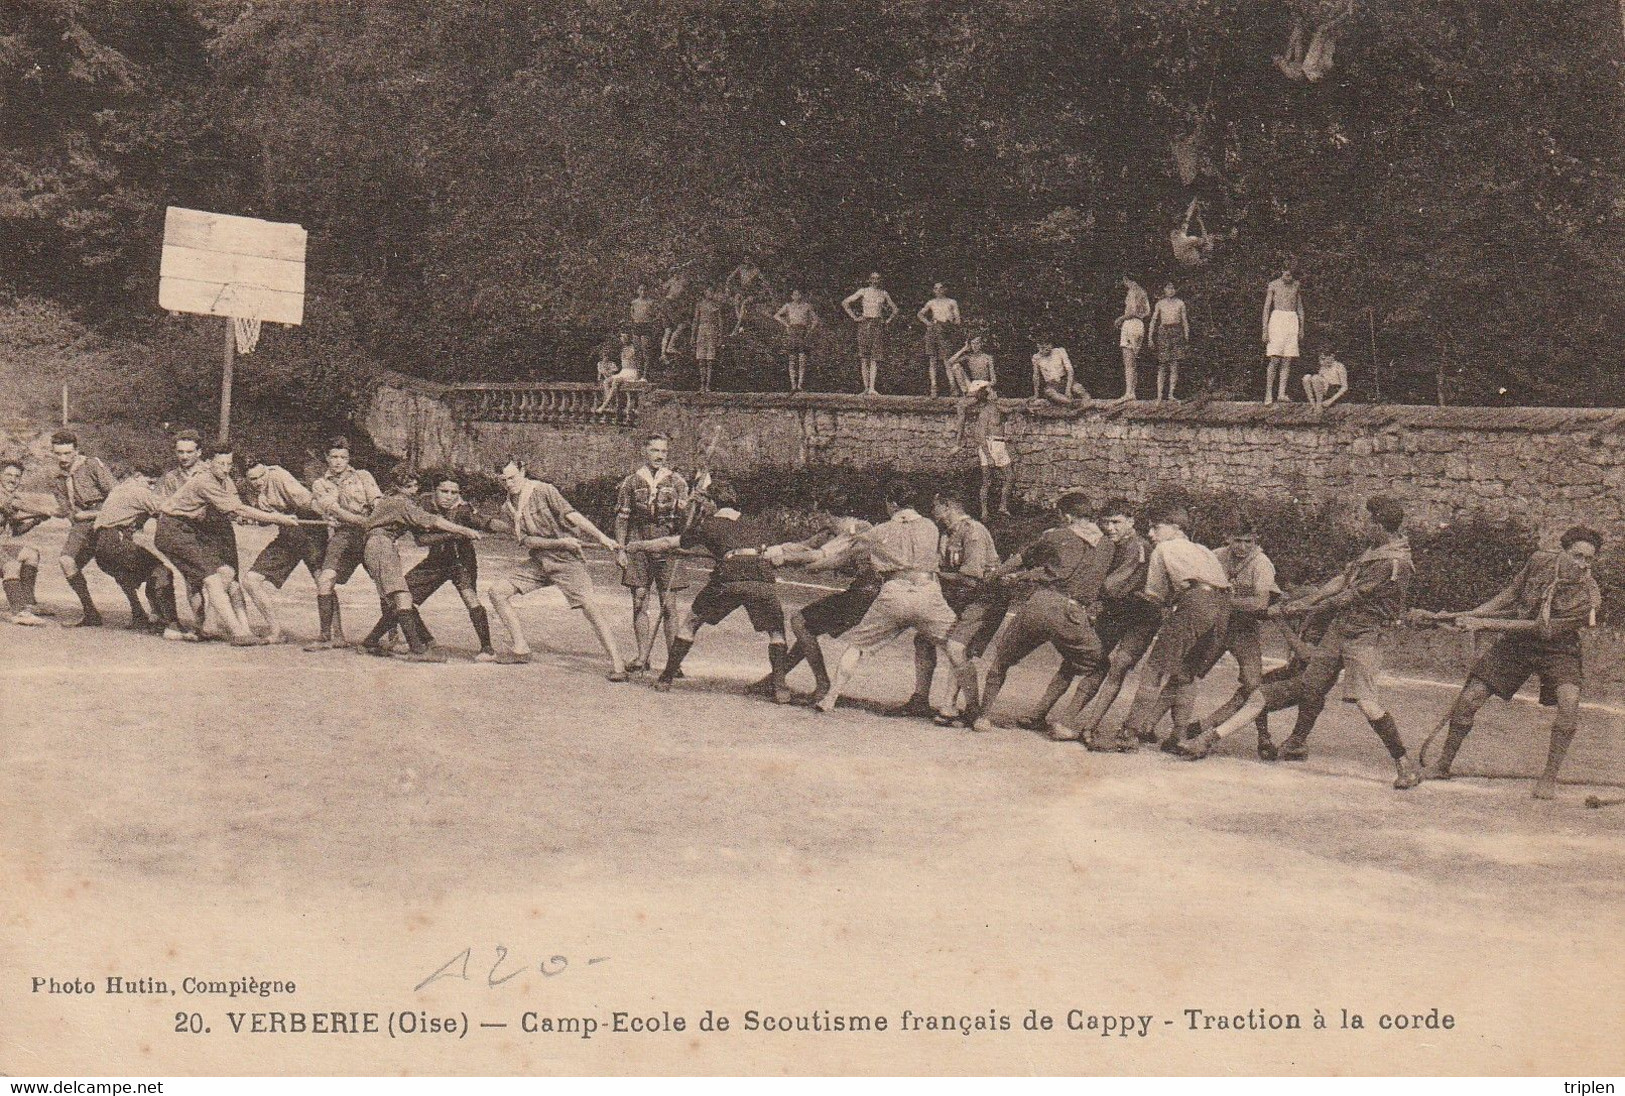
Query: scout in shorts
833 548
903 551
1540 615
121 555
967 566
651 503
451 559
940 315
1065 569
1301 635
343 495
1131 333
1187 579
188 462
982 424
81 484
545 523
1283 329
1170 335
798 319
1365 599
1126 624
872 308
393 516
19 563
743 578
274 488
195 532
1252 592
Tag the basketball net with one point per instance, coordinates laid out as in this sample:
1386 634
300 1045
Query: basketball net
247 332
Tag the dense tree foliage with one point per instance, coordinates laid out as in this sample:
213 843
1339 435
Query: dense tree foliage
486 181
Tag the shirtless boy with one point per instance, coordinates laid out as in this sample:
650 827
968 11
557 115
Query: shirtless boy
1170 334
940 315
798 319
1053 377
1283 328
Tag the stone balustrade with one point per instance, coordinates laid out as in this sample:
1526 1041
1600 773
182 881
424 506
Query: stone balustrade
543 403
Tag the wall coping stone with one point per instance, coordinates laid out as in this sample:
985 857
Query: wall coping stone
1363 417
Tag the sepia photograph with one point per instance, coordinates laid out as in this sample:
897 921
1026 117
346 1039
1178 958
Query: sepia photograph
807 538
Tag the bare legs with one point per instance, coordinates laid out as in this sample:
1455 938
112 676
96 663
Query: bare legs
258 588
502 597
1465 710
1167 379
870 370
990 473
1277 378
645 627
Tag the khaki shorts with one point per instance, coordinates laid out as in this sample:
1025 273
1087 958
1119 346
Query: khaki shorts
1133 334
569 575
81 543
382 561
903 604
993 453
1362 664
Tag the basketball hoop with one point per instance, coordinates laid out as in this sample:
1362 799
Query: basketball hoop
247 331
232 301
241 269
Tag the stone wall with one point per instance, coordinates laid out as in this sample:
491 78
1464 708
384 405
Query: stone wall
1545 467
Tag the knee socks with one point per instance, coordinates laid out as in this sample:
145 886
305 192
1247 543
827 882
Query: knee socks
1388 731
82 588
674 659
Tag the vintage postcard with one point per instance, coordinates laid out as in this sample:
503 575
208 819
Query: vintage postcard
811 539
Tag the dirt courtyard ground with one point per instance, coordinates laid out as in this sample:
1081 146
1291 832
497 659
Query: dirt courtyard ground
554 846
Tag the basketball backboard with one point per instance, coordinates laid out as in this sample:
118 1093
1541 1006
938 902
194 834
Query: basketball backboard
215 264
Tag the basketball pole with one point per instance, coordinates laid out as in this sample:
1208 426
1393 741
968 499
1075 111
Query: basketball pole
225 383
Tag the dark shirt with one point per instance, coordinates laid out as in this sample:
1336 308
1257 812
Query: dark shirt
1380 584
1070 565
446 548
1132 551
1553 588
720 536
